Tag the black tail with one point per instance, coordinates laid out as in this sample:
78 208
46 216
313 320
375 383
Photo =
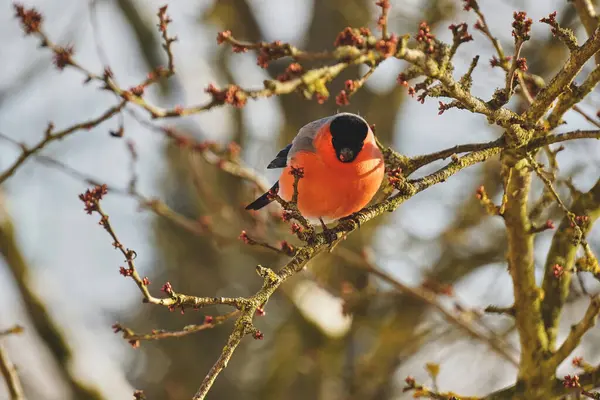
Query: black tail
264 199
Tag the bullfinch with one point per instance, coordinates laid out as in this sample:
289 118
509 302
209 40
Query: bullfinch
343 168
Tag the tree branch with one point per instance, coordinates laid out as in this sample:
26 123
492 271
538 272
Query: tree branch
577 331
527 296
8 371
430 298
44 325
562 253
54 136
563 78
589 18
569 98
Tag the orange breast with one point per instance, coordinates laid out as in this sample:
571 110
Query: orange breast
334 190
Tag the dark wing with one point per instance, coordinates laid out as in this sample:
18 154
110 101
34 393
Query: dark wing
280 160
264 199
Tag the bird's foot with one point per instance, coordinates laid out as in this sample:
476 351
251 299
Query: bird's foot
330 235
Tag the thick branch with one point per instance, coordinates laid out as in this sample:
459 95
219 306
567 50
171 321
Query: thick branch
588 380
562 252
47 329
589 18
319 243
563 78
501 116
527 295
571 97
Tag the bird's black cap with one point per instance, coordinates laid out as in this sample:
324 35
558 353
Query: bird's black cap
348 133
349 126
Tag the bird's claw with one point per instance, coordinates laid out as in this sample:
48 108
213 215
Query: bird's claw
330 235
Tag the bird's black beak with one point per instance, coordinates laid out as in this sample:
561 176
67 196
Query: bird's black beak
346 155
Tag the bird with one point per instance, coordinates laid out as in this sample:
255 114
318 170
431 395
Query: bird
342 169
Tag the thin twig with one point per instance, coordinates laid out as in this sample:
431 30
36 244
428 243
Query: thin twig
578 330
54 136
209 323
8 371
15 330
428 297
